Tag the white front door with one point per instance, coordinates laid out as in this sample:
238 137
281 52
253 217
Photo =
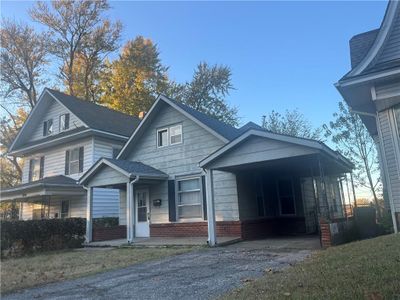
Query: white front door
142 213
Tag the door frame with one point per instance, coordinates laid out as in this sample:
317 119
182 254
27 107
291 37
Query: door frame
147 190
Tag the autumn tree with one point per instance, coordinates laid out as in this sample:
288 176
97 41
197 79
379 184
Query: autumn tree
132 82
23 62
293 123
352 139
80 38
207 92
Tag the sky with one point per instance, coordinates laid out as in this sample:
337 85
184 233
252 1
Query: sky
283 55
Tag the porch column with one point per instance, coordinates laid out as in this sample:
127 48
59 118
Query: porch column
130 212
212 236
89 214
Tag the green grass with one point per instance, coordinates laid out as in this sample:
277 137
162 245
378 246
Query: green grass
368 269
55 266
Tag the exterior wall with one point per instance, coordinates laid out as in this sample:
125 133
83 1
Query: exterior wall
391 154
54 161
107 176
54 111
183 159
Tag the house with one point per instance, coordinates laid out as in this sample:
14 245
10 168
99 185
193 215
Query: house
372 90
183 173
60 140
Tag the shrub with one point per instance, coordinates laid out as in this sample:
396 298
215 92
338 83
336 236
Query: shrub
24 237
105 222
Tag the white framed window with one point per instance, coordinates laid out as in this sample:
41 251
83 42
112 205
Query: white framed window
287 204
36 168
162 137
48 127
64 122
175 134
64 213
74 160
189 196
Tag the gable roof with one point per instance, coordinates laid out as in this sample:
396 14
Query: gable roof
96 116
128 168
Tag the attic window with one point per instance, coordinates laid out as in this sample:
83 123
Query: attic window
175 133
48 127
64 122
162 137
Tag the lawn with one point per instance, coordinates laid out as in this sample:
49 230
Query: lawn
368 269
48 267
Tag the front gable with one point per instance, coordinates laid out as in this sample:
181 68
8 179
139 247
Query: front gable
46 108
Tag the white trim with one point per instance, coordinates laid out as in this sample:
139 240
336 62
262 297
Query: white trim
109 133
166 100
380 39
279 137
367 77
94 168
170 135
200 190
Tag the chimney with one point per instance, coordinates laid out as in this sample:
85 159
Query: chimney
141 115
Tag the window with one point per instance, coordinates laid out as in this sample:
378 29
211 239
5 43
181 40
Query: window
74 161
175 133
64 209
36 168
64 122
48 127
142 207
162 137
189 198
286 197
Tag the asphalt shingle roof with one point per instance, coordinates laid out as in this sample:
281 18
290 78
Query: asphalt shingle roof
360 45
136 167
97 116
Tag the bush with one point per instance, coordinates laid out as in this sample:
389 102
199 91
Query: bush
105 222
24 237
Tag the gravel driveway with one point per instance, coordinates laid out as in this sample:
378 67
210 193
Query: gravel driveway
201 274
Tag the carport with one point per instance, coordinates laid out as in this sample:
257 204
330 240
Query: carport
285 184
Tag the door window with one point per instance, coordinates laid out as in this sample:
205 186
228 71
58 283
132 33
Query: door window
142 206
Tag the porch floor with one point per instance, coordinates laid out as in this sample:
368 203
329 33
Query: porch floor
165 241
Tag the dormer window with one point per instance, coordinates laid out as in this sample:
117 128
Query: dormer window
64 122
48 127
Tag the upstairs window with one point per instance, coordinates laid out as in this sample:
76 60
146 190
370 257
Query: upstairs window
48 127
36 168
169 136
162 137
175 134
64 122
74 161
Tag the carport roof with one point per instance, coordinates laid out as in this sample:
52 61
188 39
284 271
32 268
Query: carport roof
128 168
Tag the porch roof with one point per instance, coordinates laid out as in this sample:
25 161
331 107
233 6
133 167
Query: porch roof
130 169
241 151
52 185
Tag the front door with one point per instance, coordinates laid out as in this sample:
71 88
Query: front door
142 213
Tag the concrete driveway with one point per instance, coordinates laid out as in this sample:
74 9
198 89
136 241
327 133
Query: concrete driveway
201 274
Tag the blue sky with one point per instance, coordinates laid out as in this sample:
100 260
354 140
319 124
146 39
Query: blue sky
283 55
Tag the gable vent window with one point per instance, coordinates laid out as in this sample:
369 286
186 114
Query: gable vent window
64 122
74 161
48 127
169 136
175 134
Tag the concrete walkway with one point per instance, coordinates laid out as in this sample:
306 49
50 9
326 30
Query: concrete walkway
201 274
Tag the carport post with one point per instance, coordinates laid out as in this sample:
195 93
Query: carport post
89 214
212 236
129 212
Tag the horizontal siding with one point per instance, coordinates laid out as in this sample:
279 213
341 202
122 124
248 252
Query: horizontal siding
104 148
183 159
54 161
387 90
392 163
105 203
256 149
107 176
54 111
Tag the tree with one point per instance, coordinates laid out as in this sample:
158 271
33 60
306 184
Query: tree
11 170
23 58
132 82
352 140
207 92
293 123
78 31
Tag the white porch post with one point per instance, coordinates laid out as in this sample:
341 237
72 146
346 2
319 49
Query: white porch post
212 236
89 214
130 212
